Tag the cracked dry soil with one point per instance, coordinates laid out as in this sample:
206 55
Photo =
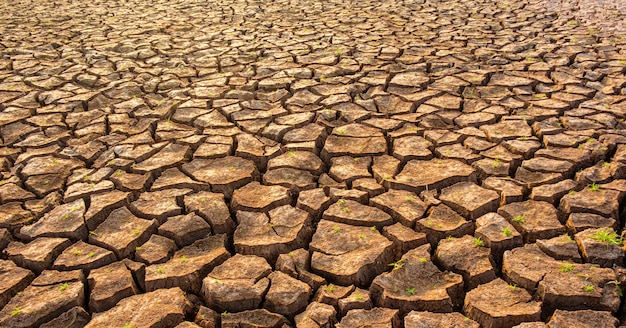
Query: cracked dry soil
312 164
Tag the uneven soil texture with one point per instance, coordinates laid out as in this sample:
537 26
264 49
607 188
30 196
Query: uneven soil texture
312 163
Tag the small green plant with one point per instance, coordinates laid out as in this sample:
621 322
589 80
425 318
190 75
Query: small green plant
341 202
422 260
137 249
397 264
345 209
16 311
594 187
224 313
478 242
589 288
330 288
607 236
160 270
127 325
410 291
358 296
572 192
291 153
76 252
513 287
566 267
290 254
63 286
136 232
183 259
361 236
336 229
566 238
91 254
618 286
507 232
496 163
520 219
373 228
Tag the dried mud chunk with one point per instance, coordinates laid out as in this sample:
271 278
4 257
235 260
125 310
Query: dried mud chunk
354 213
403 206
497 234
418 176
83 256
238 284
108 285
37 255
254 318
185 229
259 198
64 221
287 296
121 232
212 208
317 315
13 279
582 319
600 246
101 205
603 202
157 249
359 299
404 238
527 265
416 284
497 304
314 201
442 222
44 300
560 248
167 157
75 317
412 148
577 222
300 160
468 257
376 317
188 266
535 220
579 287
470 200
417 319
223 174
160 308
290 178
285 229
338 145
346 254
159 205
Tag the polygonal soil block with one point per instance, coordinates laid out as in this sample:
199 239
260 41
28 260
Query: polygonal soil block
160 308
350 212
535 220
255 197
403 206
418 176
415 283
83 256
468 257
287 228
238 284
213 209
108 285
47 297
417 319
122 232
38 254
185 229
346 254
376 317
498 304
188 266
13 279
470 200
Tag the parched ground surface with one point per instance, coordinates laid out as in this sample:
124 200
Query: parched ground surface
312 163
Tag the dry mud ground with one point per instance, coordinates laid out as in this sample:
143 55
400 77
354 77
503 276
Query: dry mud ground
312 163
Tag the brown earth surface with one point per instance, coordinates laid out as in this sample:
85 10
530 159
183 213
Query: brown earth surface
312 164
